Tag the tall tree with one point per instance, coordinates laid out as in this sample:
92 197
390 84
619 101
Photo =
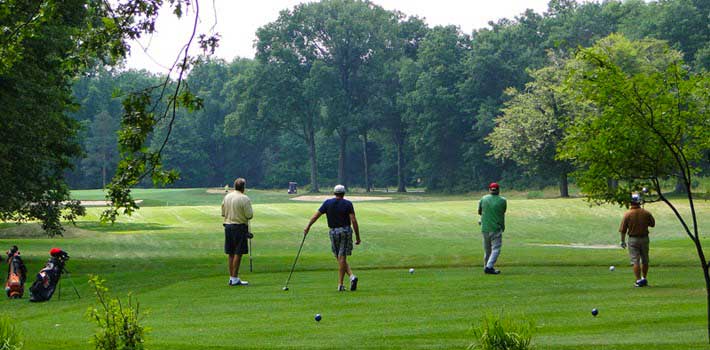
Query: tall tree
282 94
533 123
101 146
652 123
37 140
435 108
346 36
394 80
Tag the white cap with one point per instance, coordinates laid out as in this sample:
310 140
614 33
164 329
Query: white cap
339 189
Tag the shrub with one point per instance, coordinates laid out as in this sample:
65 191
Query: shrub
119 327
502 334
10 337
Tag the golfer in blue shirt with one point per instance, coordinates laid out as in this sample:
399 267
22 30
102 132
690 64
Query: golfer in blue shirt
341 215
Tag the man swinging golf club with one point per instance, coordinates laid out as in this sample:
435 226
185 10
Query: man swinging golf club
341 215
236 211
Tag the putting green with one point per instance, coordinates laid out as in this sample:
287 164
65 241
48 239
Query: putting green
170 258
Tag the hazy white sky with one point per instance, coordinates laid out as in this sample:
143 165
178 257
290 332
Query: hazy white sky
237 21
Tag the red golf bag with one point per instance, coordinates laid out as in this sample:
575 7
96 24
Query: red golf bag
16 274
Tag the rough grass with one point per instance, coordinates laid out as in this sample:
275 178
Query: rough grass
171 258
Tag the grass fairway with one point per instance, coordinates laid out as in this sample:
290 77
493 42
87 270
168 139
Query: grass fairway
169 255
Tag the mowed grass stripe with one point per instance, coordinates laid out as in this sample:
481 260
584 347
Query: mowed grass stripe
171 258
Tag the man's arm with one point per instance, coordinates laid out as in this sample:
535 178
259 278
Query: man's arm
223 214
314 218
248 211
622 230
651 220
480 210
353 221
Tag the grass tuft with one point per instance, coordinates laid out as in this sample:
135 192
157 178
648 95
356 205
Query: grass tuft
499 333
10 337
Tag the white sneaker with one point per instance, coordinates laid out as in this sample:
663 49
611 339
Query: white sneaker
238 282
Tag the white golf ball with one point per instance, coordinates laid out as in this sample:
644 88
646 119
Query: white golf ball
411 270
612 268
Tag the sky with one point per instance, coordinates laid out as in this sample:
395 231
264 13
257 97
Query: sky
237 21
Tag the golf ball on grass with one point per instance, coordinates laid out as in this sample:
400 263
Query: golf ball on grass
612 268
318 317
595 312
411 270
285 288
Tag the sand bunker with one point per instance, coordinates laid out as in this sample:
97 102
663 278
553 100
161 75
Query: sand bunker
102 203
579 246
350 198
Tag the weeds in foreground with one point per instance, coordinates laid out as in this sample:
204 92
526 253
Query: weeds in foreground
119 327
10 337
498 333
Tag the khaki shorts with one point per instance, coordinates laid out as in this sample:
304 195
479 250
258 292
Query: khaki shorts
638 249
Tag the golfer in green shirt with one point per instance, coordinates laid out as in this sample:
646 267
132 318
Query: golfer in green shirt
492 208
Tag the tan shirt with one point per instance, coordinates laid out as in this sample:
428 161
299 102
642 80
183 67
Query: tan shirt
236 208
636 222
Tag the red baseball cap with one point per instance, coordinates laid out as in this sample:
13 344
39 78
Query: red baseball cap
493 186
54 251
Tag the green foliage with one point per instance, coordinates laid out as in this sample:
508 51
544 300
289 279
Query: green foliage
499 333
651 119
10 336
534 121
118 325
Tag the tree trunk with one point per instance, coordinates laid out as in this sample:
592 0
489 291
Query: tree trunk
613 183
103 176
400 165
365 161
341 159
314 161
103 171
564 186
679 186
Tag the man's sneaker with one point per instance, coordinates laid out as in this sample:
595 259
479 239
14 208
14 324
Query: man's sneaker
341 288
238 282
353 284
490 271
641 283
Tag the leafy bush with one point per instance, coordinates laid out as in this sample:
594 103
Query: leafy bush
10 337
119 327
502 334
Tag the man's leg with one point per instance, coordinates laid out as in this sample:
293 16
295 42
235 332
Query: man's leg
637 271
236 262
343 268
486 248
496 241
230 262
644 270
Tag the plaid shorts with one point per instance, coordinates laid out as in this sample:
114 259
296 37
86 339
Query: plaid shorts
341 241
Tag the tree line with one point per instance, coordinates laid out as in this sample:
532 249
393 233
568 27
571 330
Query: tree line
347 92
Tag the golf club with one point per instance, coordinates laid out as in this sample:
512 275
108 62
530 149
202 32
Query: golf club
251 267
285 288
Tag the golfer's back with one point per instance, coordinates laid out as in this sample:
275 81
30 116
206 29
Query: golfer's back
493 209
236 208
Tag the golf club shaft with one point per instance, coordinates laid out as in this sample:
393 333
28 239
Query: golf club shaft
294 262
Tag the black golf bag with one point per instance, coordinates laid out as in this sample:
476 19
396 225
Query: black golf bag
47 278
16 274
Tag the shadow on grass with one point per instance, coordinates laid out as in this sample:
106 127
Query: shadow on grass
120 226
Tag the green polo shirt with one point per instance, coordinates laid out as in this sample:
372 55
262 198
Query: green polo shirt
492 208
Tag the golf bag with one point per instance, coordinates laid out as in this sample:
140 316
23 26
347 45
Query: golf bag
47 278
16 274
